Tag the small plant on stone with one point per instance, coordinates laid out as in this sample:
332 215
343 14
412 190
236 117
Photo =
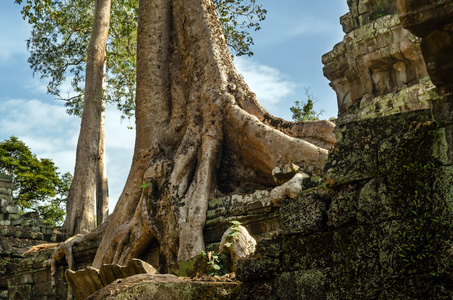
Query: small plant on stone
379 9
214 260
234 232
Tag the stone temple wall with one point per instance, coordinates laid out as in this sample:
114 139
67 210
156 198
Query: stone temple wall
378 68
9 212
18 232
380 227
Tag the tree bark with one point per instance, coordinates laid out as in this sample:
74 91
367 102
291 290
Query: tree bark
102 187
200 132
80 205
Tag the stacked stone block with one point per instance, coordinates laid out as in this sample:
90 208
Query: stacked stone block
9 212
378 68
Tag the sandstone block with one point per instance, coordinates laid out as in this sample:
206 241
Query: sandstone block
5 178
12 217
284 173
305 213
237 242
84 283
10 209
5 191
5 222
290 189
17 222
137 266
5 202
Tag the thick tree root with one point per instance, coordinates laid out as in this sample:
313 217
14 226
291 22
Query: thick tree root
196 120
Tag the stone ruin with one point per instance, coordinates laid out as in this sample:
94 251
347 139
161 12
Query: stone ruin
376 226
18 232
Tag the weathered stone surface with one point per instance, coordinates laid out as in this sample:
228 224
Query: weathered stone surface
89 280
433 22
423 17
284 173
306 213
291 188
137 266
110 273
362 12
255 211
369 147
166 287
33 281
19 232
5 191
32 278
309 284
238 243
10 209
83 283
381 234
31 215
5 202
377 70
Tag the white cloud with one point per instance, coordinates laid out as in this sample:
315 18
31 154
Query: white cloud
41 118
269 84
36 85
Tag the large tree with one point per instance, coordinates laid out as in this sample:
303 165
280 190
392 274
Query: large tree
58 46
200 132
80 205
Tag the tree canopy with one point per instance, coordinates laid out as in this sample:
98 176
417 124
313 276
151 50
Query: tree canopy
61 32
37 184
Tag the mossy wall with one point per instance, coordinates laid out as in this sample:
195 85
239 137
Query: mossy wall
379 229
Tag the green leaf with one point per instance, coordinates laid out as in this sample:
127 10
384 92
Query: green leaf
145 185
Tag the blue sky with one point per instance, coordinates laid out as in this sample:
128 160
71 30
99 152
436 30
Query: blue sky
288 50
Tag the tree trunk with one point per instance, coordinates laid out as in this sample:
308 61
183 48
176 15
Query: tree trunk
80 205
200 132
102 187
